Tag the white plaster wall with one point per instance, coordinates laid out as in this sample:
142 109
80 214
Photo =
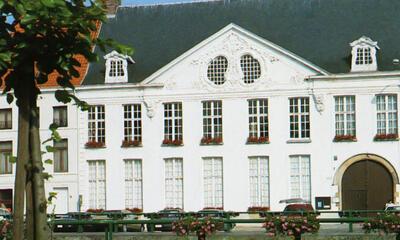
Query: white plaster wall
69 179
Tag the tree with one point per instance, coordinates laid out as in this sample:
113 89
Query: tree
38 38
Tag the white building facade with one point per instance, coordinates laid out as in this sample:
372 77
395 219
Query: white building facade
234 122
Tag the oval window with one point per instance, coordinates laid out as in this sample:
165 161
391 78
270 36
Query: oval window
250 67
216 70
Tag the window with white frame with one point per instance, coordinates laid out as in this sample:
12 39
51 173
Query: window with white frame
258 119
386 114
60 116
300 177
116 68
212 119
345 116
5 155
6 118
133 184
174 183
133 122
97 184
173 121
363 56
213 182
216 70
61 155
250 67
299 114
259 181
97 124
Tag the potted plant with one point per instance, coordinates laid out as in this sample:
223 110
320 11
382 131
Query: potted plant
170 142
257 140
94 144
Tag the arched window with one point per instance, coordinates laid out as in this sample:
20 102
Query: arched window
250 67
216 70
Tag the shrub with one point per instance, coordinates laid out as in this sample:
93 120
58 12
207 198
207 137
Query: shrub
291 225
202 227
383 223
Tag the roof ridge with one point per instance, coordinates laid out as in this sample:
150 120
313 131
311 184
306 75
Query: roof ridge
168 3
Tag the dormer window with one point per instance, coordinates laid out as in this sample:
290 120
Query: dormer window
364 55
117 67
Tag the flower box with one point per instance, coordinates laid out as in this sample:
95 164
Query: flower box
95 210
170 142
213 208
345 138
257 140
131 143
134 210
386 137
257 209
94 144
209 140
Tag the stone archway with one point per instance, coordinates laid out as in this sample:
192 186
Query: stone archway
358 185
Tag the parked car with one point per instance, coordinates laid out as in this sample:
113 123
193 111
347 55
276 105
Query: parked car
5 214
392 207
132 227
65 227
172 214
218 214
294 206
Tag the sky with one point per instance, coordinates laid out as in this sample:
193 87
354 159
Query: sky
129 2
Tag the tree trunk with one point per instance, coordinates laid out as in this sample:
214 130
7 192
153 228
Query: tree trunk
22 161
30 224
42 230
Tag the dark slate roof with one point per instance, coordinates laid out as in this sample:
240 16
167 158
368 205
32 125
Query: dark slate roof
317 30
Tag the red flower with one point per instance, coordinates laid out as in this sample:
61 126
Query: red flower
176 142
94 144
384 136
130 143
210 140
339 138
135 210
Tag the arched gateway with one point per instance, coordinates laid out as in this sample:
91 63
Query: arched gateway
366 182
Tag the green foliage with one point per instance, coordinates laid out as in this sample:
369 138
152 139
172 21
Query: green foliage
50 34
6 230
293 225
384 223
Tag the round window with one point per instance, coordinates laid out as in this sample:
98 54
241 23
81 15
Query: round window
216 70
251 68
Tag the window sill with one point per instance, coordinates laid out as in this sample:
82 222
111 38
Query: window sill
257 143
387 140
95 147
344 140
172 145
132 146
211 144
306 140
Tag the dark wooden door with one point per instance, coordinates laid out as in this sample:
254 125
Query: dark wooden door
366 185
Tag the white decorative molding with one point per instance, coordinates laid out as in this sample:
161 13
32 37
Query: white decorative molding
319 102
151 107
